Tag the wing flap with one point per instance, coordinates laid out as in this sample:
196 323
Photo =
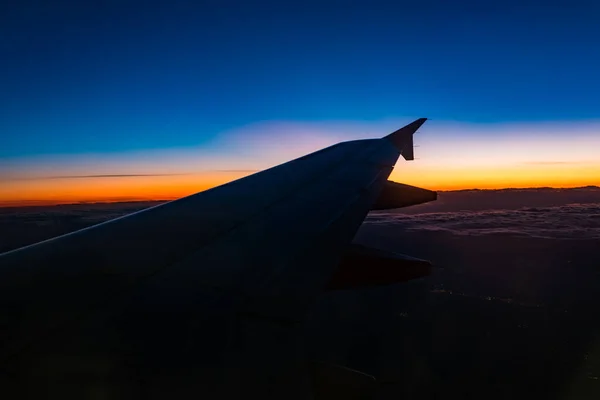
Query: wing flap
363 266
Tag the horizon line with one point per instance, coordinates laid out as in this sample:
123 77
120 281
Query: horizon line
50 203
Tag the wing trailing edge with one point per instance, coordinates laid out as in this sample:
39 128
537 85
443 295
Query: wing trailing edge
363 266
398 195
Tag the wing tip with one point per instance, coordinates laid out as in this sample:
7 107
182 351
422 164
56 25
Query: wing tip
406 130
403 138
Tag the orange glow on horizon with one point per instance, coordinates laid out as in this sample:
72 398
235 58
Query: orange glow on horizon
459 178
109 189
148 188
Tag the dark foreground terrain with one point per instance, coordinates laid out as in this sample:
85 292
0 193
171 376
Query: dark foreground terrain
511 311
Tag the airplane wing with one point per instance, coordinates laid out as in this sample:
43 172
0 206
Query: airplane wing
203 294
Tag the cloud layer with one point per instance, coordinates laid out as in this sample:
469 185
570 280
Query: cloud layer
572 221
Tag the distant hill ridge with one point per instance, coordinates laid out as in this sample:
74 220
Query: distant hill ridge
527 189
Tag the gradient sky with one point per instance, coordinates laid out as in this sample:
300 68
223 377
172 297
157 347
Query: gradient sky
114 100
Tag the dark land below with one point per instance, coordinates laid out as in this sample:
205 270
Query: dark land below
512 309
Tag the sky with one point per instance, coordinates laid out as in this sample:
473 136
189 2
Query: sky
131 100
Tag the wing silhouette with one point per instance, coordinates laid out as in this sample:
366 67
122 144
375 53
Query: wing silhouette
201 295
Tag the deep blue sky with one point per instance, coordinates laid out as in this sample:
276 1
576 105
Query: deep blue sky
110 76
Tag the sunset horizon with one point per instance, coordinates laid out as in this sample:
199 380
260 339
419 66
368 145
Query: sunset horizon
159 107
8 203
450 155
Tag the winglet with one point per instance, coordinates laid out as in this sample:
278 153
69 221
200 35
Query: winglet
403 138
